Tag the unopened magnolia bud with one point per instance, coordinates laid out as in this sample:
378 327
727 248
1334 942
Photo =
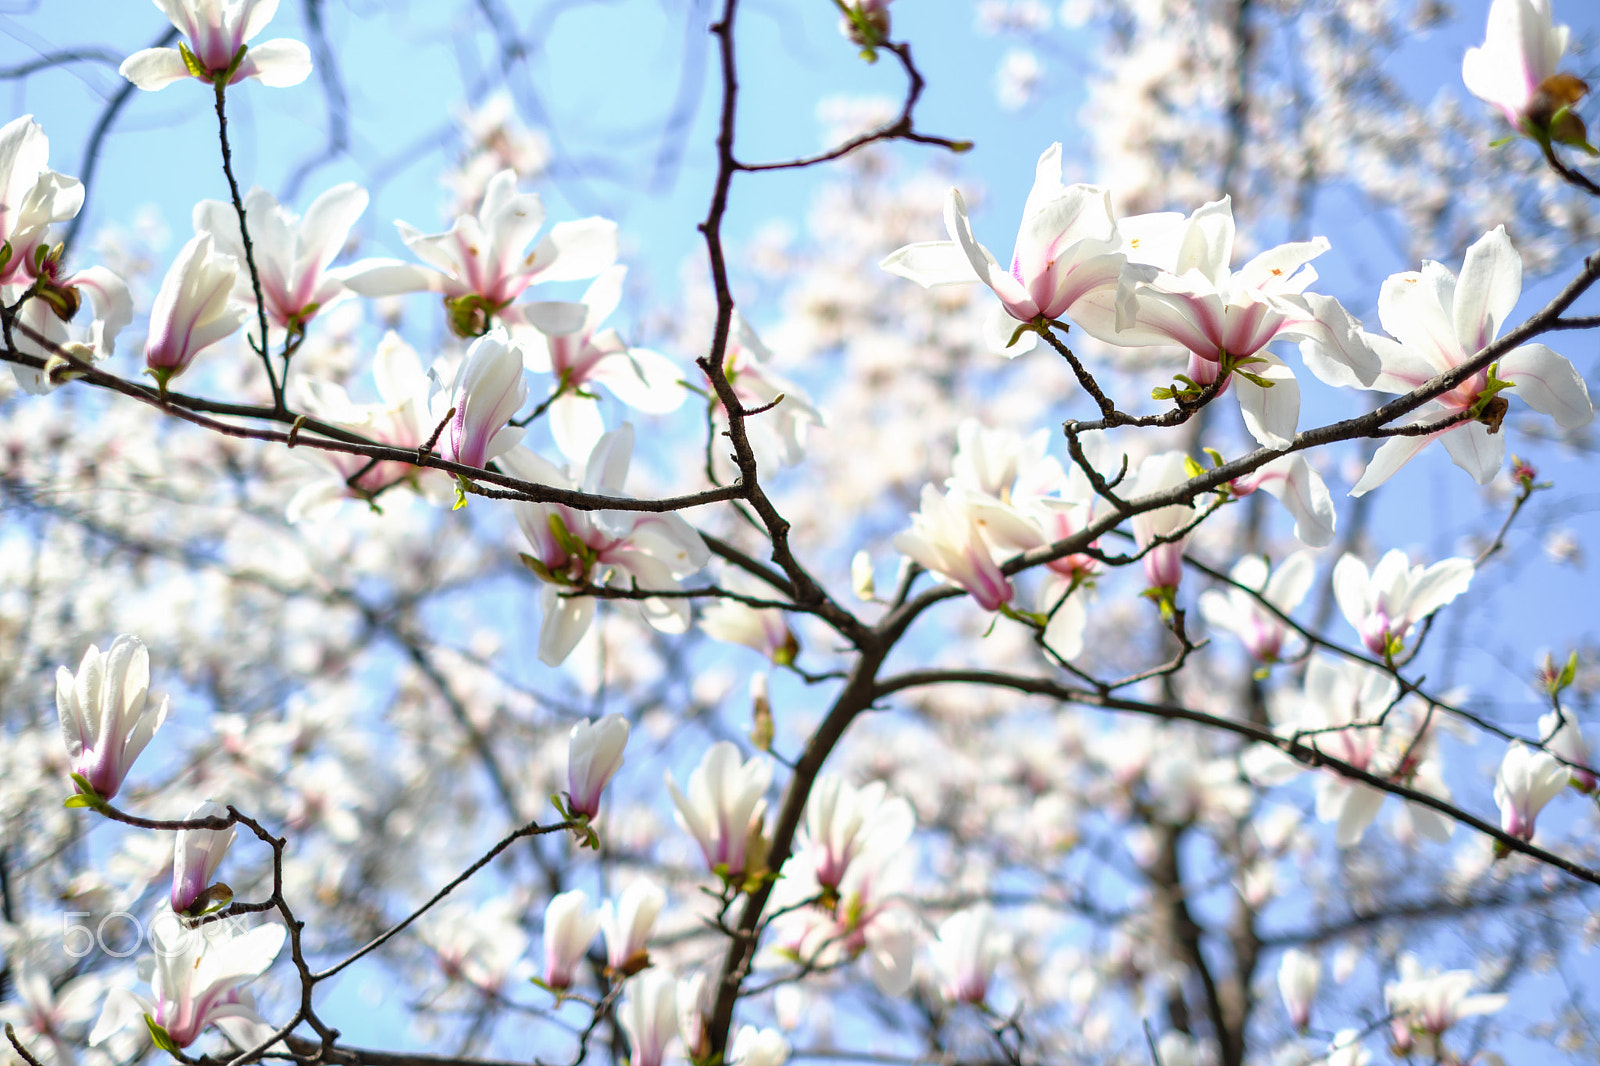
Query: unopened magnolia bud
760 712
867 24
862 580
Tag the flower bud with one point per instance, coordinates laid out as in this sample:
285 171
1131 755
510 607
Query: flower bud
104 717
569 927
196 854
594 754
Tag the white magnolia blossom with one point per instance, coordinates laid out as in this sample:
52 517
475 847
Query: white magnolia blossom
569 928
759 1047
725 807
1295 483
106 716
594 755
648 1013
787 413
216 30
1262 632
32 196
1438 322
292 252
1163 560
843 822
1298 975
196 979
196 854
1521 50
1427 1003
1386 602
966 952
619 548
193 309
485 394
1564 737
627 922
1528 779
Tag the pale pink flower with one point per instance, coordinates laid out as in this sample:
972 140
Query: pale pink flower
193 308
1262 632
487 390
594 754
32 196
1293 482
1426 1004
1564 737
759 1047
196 854
1163 563
216 30
627 923
1385 604
1298 975
725 807
648 1013
1528 779
569 928
946 537
105 717
966 953
1521 48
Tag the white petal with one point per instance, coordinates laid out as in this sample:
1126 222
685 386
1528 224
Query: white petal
1490 282
930 263
1271 415
566 620
1549 384
154 68
1304 495
278 63
576 425
1474 449
1395 453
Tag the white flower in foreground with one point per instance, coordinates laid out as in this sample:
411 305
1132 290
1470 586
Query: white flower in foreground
292 252
586 356
193 309
616 548
947 538
1068 247
1515 70
1295 483
1427 1004
1384 604
1298 975
966 953
196 980
594 755
196 854
105 717
1564 738
569 928
32 196
1527 780
627 922
481 263
759 1047
487 390
724 809
1241 614
1439 322
216 30
843 823
763 629
649 1015
1163 562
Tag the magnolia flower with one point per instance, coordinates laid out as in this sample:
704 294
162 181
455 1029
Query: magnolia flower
569 928
1515 69
196 854
622 548
586 356
1184 293
648 1013
401 418
1000 463
1298 975
104 717
875 13
196 978
1527 780
292 253
759 1047
843 822
32 196
1243 615
1163 562
1385 604
54 1016
725 808
479 265
1564 738
193 309
1068 247
966 953
1426 1004
695 1001
765 629
946 537
487 390
782 427
1292 481
627 923
111 307
594 754
1439 322
217 30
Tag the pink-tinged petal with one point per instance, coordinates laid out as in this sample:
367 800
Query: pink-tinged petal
112 303
1193 321
154 68
566 620
1490 282
1048 236
930 263
1351 581
326 224
1474 449
1413 307
277 63
1549 384
1402 368
388 277
1395 453
1271 415
1303 494
1008 288
1274 267
1046 183
1335 347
